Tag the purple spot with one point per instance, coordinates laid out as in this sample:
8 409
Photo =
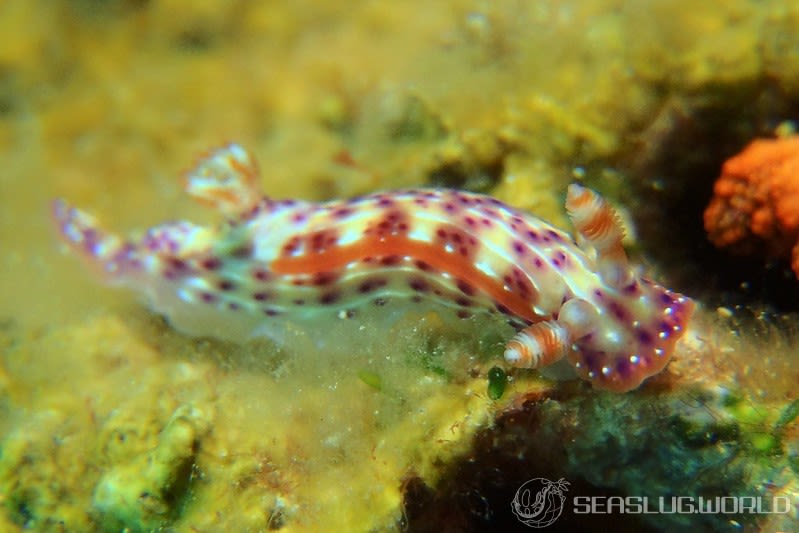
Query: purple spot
371 284
329 297
291 246
469 221
342 212
463 302
261 296
465 287
211 263
385 202
390 260
538 262
449 207
518 247
486 222
618 311
177 264
207 297
271 312
463 314
226 285
423 266
591 360
299 218
623 367
644 337
324 278
532 235
418 284
233 306
666 298
261 275
380 302
553 235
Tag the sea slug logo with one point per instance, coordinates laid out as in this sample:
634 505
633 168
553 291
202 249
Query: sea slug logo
539 502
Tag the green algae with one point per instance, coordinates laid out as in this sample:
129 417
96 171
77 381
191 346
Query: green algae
788 415
497 382
687 443
372 379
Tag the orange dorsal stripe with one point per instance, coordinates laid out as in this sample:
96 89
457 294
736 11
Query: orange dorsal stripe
458 266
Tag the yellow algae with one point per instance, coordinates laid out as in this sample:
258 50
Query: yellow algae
144 493
715 41
111 103
534 185
166 432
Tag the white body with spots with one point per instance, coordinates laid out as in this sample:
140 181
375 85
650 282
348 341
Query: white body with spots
466 251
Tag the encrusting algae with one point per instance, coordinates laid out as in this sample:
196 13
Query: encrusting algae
260 444
755 206
112 419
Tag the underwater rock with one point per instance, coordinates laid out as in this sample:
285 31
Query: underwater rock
145 493
696 441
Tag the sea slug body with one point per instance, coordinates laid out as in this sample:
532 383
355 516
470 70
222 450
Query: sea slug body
580 300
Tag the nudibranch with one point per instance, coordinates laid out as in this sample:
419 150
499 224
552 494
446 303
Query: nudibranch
575 299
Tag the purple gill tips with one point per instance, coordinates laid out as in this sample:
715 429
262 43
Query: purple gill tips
80 231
